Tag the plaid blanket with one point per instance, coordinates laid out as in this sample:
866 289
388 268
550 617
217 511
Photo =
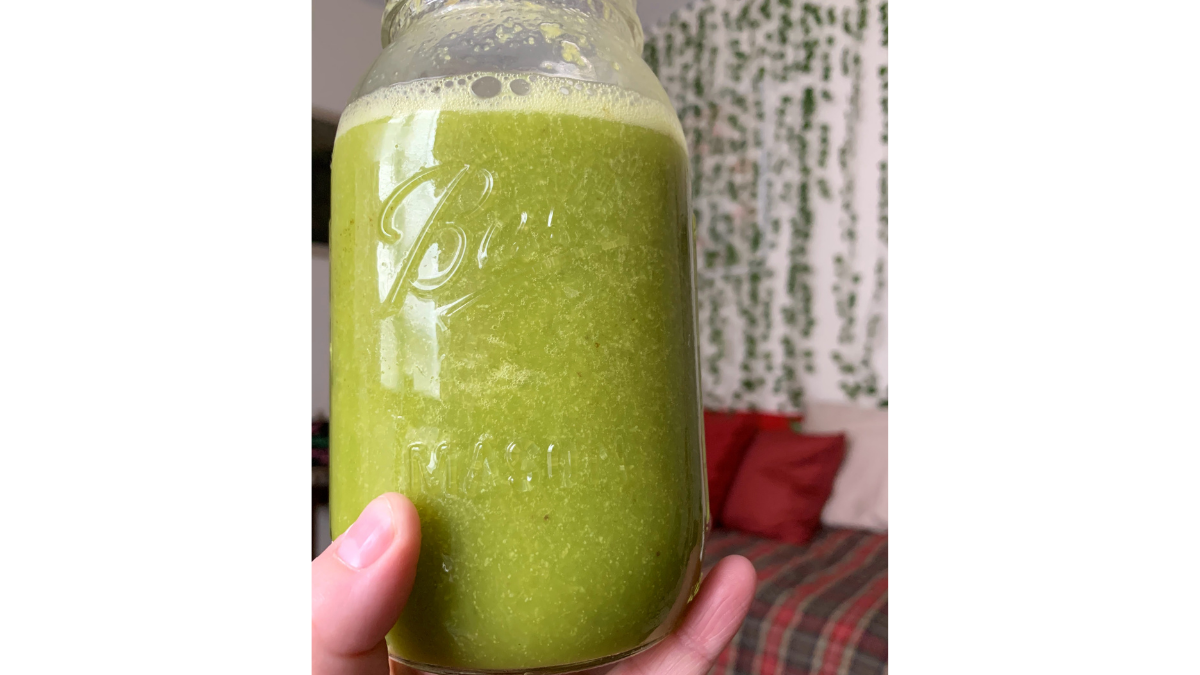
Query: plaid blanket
819 609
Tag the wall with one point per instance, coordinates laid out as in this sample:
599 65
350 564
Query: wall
320 331
345 42
652 11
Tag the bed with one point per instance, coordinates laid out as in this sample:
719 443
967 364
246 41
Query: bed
818 609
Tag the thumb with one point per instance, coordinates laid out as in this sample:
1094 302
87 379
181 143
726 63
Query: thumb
360 584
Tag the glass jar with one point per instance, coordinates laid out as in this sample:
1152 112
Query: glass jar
513 332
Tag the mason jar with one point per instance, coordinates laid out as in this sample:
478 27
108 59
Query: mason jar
513 332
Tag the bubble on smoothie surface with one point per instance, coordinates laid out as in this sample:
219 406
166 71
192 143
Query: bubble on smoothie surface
520 87
515 92
486 87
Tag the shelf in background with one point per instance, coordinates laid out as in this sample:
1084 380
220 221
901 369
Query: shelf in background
323 133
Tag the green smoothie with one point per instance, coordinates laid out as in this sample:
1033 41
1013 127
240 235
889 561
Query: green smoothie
514 350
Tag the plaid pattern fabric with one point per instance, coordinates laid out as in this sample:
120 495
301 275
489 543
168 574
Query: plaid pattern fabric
819 609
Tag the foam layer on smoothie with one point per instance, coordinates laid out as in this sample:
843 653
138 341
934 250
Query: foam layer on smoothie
524 92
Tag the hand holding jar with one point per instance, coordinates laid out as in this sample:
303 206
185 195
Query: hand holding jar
361 582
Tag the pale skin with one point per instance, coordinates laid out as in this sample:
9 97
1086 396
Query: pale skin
361 582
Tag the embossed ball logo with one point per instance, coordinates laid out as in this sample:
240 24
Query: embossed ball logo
426 212
451 245
438 223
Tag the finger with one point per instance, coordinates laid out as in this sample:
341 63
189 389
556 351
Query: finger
360 584
712 619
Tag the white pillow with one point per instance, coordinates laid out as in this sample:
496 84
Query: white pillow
859 498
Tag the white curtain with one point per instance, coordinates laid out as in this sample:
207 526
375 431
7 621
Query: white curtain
784 105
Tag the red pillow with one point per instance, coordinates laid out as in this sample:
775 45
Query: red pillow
783 484
772 422
727 436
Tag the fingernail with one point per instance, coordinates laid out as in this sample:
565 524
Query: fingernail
368 537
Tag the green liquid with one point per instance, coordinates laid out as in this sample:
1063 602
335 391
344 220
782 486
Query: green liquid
514 350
